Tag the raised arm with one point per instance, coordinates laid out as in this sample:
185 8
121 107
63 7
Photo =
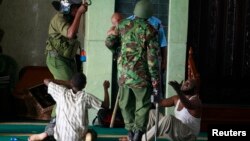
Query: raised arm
112 41
189 104
105 103
59 82
72 30
168 102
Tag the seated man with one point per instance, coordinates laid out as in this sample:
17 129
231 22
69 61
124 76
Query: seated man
72 108
185 125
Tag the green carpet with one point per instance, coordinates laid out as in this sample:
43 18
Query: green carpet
22 130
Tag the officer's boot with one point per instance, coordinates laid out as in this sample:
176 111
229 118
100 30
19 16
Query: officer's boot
130 135
137 136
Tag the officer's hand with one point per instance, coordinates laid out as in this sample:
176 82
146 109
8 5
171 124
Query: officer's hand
83 8
112 31
155 84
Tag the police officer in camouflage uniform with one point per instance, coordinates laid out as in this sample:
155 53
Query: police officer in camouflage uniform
61 48
138 67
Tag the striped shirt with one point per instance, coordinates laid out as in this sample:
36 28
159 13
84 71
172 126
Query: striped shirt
71 112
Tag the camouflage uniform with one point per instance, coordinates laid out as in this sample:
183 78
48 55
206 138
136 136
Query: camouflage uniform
137 68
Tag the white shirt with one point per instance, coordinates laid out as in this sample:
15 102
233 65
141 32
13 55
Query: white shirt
192 122
71 112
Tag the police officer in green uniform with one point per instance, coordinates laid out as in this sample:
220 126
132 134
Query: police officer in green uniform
138 67
62 43
61 47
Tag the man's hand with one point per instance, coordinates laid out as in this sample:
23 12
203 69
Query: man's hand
105 103
106 84
46 81
176 86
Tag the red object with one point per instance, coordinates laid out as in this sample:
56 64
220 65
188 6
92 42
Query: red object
83 53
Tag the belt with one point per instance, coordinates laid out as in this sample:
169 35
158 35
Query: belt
53 53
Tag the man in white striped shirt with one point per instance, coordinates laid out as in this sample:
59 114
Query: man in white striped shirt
72 108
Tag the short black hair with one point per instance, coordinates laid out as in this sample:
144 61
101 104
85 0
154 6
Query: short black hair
79 80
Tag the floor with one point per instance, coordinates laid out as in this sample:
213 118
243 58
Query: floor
22 130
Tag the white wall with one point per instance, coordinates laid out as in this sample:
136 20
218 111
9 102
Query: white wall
25 25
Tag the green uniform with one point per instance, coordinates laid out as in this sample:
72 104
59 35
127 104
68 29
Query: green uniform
137 67
60 50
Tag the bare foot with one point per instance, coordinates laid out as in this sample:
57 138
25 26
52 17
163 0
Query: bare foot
88 137
123 139
37 137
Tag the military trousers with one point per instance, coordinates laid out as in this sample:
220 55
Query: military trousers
135 105
61 69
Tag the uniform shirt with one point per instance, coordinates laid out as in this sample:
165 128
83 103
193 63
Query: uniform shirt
137 62
72 112
58 40
158 26
58 26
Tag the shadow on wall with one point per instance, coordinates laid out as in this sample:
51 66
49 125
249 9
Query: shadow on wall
1 36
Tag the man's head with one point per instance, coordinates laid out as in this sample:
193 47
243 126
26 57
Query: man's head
188 87
78 81
116 18
143 9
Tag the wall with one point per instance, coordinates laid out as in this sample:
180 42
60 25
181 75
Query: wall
177 44
98 66
25 25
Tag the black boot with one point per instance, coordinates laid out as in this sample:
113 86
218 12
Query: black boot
137 136
130 135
